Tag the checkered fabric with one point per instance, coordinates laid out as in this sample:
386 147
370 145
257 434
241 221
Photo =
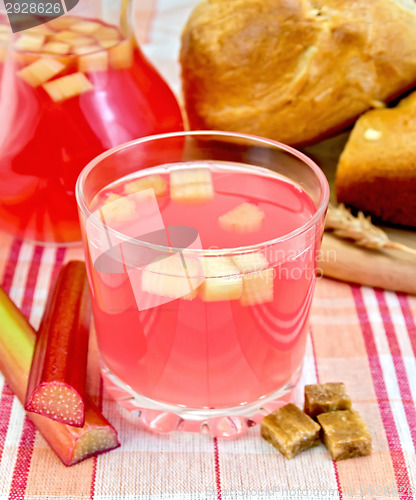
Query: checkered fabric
361 336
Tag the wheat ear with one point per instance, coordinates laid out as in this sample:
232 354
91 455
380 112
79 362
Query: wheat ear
360 229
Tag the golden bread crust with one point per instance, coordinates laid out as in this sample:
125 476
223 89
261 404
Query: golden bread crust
377 169
294 70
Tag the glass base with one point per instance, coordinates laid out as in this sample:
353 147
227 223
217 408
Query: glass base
223 422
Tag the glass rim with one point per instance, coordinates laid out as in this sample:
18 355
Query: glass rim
320 209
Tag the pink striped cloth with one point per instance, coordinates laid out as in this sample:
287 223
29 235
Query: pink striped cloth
362 336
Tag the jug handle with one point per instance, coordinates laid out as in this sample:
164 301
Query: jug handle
125 18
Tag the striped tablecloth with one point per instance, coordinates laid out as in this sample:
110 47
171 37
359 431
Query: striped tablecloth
364 337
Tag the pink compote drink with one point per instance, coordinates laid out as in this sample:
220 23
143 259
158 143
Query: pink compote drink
69 90
228 331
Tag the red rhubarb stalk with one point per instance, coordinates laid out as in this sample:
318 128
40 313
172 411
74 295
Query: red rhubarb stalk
71 444
58 375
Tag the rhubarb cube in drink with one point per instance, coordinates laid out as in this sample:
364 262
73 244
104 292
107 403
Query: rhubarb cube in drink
23 59
59 48
68 86
191 185
40 71
4 38
223 280
257 287
117 209
85 27
96 61
249 262
39 30
192 193
174 276
257 280
106 32
107 43
62 22
86 49
30 43
81 41
121 56
155 182
190 176
245 218
65 35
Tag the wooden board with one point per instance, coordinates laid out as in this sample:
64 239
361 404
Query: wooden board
392 270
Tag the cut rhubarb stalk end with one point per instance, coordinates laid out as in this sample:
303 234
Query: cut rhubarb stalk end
56 387
59 402
30 43
122 55
71 444
223 280
68 86
191 185
97 436
40 71
245 218
155 182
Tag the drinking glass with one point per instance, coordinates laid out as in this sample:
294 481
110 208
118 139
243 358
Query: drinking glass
201 251
70 89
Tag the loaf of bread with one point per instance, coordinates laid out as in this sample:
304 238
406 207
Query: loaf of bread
295 70
377 169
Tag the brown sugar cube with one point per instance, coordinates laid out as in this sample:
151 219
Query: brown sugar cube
345 434
321 398
290 431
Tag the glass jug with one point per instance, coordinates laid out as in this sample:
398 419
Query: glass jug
70 89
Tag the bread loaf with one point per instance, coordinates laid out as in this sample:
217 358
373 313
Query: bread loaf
295 70
377 169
